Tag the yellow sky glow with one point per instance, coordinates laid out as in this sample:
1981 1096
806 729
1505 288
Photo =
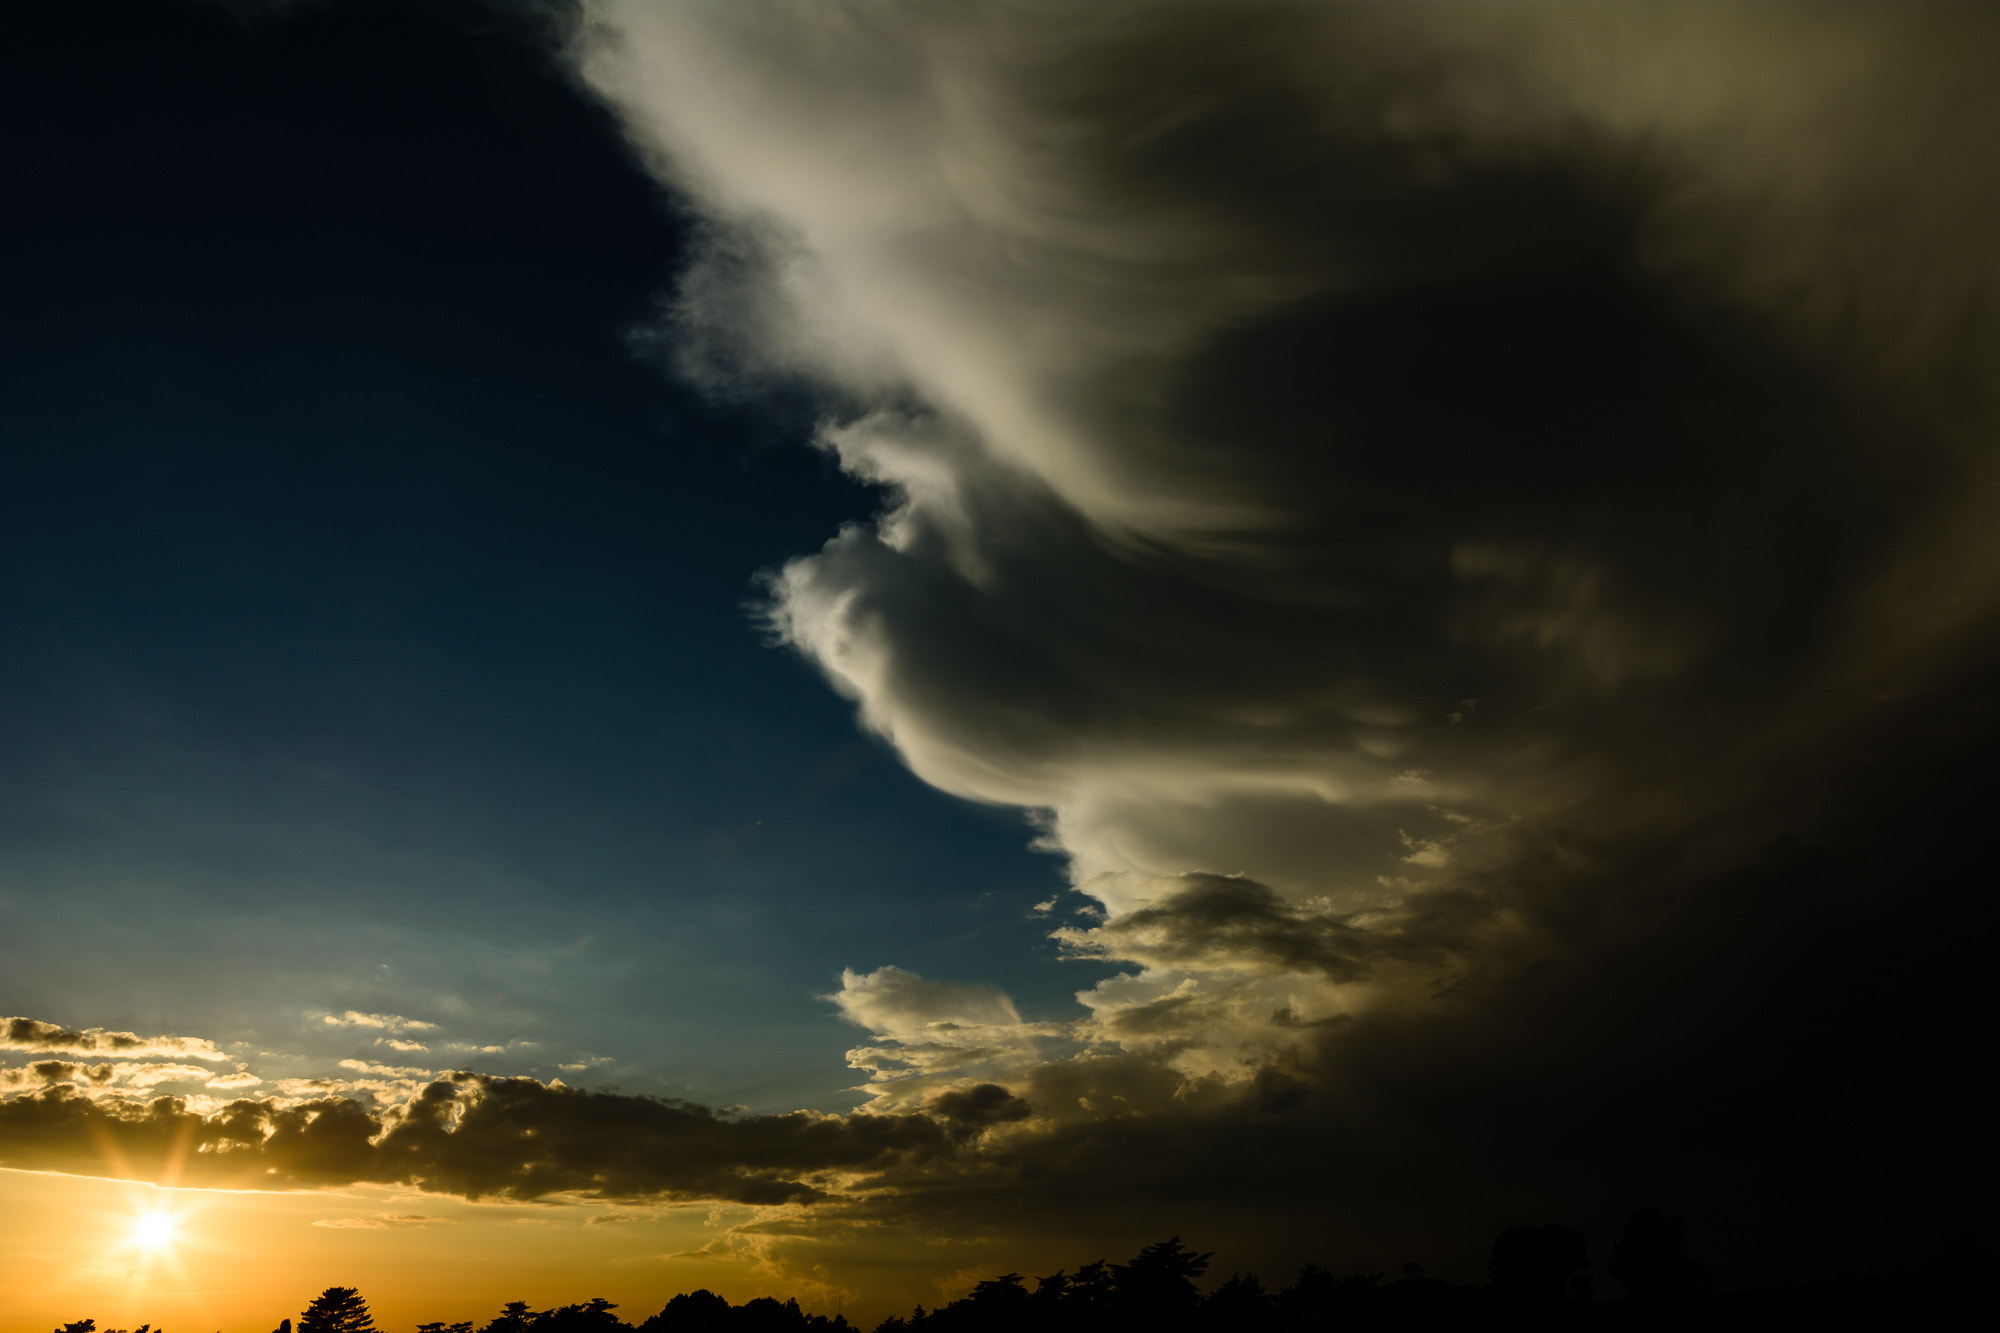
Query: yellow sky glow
193 1260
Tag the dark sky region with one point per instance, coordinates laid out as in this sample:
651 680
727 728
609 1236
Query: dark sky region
877 643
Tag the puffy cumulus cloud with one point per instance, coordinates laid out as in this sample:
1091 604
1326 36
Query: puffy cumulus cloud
470 1135
932 1035
30 1034
902 1004
1470 527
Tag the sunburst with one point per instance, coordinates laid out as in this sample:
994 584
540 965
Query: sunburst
154 1231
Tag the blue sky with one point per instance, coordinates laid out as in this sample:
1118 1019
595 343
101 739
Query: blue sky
384 618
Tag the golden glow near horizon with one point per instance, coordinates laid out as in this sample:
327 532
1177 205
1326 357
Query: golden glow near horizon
195 1260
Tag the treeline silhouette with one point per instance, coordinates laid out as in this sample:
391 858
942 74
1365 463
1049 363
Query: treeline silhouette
1538 1277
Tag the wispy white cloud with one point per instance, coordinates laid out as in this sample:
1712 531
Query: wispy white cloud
383 1221
392 1023
613 1219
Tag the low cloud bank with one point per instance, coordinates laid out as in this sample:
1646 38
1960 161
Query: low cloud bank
469 1135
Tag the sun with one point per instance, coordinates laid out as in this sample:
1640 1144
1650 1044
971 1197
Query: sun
154 1231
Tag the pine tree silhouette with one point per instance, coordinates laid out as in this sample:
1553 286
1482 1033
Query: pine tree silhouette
337 1310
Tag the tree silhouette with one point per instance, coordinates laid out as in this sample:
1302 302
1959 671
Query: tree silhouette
1310 1297
1238 1303
765 1315
593 1316
998 1301
514 1317
690 1312
337 1310
1158 1287
1649 1263
1539 1280
1089 1292
1539 1272
1050 1293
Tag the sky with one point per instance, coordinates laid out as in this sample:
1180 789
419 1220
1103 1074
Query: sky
827 649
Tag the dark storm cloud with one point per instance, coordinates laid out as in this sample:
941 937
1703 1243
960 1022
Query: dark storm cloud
470 1135
1779 1047
1306 425
523 1139
1214 919
970 1110
1469 526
